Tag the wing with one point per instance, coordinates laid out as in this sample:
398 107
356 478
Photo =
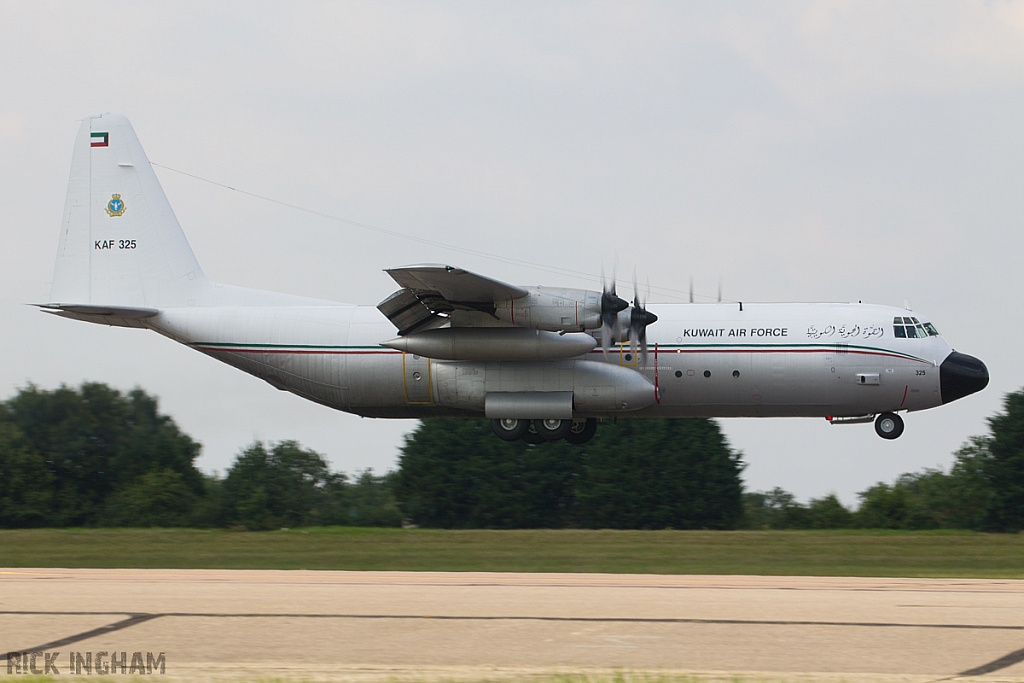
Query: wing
429 293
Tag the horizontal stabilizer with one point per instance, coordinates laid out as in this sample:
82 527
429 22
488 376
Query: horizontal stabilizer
117 316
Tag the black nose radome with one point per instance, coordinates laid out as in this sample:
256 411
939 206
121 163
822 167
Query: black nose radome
961 375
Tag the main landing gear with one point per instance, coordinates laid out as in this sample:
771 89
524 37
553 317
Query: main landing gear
889 425
538 431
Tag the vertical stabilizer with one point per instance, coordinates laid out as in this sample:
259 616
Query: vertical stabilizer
120 244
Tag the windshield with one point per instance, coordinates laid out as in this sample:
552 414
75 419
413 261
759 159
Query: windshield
908 327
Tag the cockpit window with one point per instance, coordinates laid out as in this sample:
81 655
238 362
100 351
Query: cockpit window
912 328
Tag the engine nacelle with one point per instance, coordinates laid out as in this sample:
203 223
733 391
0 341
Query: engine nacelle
554 309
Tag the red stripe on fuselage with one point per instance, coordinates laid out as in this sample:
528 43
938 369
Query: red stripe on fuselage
303 352
844 353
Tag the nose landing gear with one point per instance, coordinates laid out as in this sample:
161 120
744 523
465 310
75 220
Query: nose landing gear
889 425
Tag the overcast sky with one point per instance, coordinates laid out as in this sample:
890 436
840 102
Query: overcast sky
799 151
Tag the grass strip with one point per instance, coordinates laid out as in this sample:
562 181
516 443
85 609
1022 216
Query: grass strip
780 553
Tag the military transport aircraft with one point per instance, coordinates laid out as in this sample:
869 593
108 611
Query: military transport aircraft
543 363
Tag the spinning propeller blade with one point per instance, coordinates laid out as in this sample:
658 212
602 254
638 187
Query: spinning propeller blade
639 319
611 306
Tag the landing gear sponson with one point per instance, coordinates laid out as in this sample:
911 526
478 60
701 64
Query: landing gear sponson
538 431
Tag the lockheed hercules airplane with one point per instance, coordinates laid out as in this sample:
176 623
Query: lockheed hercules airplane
543 363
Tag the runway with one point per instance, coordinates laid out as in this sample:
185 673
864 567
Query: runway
320 625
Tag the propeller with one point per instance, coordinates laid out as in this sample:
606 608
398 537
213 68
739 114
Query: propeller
639 319
611 306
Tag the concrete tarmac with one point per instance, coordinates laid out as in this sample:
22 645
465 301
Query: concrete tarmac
327 625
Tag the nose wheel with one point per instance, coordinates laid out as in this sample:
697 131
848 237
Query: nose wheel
889 425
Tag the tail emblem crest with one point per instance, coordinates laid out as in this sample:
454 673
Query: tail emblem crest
115 207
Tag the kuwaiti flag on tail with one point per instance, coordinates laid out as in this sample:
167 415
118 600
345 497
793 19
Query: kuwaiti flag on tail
99 139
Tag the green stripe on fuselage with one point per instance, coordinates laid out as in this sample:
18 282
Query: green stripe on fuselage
710 348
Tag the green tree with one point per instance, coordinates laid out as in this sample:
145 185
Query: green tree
158 498
371 501
283 486
95 442
208 510
779 509
654 474
970 496
933 499
883 507
1002 456
769 510
26 485
635 474
454 473
828 513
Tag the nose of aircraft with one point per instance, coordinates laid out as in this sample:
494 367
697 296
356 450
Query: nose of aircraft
961 375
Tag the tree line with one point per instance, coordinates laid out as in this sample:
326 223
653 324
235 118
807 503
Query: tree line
982 492
93 456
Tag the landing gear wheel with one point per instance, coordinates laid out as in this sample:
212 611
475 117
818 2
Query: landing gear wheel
889 426
552 430
582 431
531 435
509 429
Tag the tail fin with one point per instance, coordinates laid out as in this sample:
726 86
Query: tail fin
120 244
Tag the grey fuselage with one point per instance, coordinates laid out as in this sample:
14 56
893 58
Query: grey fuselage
708 360
123 259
